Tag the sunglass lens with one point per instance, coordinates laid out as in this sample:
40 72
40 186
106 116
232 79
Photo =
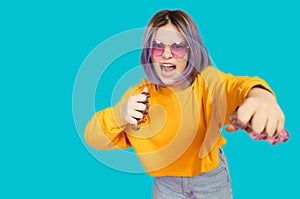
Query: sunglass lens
157 49
178 50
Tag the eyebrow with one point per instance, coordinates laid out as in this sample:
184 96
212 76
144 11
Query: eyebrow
176 42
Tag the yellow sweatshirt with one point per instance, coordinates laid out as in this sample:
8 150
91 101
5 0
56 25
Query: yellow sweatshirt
181 136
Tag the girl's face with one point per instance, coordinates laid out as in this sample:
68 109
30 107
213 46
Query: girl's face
169 54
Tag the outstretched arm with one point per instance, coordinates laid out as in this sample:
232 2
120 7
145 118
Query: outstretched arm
262 111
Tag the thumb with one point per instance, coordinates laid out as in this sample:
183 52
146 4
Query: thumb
145 89
231 128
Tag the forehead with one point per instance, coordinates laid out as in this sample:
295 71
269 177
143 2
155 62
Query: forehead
168 34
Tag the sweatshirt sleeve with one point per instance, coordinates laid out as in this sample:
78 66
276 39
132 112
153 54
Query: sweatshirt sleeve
105 130
229 91
237 89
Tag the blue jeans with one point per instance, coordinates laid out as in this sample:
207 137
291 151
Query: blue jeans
214 184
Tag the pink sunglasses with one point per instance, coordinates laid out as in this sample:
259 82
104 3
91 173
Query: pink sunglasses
178 49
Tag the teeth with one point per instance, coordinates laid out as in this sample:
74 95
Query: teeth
166 65
168 68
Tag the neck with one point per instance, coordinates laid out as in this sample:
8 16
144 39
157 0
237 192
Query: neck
179 87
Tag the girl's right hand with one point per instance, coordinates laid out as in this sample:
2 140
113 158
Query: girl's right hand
132 108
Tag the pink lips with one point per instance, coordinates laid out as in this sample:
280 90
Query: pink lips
167 63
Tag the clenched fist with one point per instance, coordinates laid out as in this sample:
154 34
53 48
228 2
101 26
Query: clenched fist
262 112
135 109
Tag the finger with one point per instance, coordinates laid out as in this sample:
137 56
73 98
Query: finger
136 114
271 126
280 127
244 114
231 128
139 106
145 89
135 104
280 124
144 95
140 98
132 120
258 122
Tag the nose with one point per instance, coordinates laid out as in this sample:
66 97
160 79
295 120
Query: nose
167 52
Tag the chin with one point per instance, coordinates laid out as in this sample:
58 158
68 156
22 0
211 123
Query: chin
168 82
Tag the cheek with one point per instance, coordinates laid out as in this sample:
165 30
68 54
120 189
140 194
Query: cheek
155 63
182 63
182 66
155 59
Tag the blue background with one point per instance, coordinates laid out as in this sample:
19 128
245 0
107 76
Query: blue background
43 45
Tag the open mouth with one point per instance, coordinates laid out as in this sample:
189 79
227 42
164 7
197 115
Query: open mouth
167 69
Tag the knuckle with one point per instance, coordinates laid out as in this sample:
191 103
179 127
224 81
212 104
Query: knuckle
258 129
282 117
140 115
133 121
270 129
143 107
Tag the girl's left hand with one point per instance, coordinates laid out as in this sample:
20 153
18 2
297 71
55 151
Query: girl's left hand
261 110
